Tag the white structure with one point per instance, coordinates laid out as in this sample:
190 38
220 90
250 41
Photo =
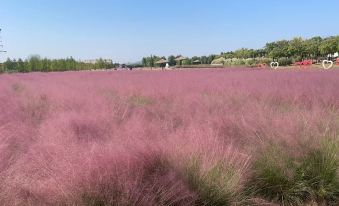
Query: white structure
335 55
274 65
327 64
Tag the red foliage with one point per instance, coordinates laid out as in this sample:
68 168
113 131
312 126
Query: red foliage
304 64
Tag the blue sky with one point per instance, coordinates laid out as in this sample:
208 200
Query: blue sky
126 30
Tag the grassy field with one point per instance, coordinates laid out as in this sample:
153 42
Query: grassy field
195 137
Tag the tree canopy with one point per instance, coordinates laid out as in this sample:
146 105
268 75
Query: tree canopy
37 64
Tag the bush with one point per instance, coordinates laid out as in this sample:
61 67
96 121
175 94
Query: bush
215 187
218 61
282 178
250 62
242 62
320 172
238 62
285 61
267 61
228 62
274 178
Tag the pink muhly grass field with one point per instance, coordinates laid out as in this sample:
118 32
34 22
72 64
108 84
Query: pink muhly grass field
154 138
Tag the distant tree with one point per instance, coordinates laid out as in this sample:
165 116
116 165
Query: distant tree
228 55
144 62
45 65
21 66
244 53
195 58
204 60
171 60
329 46
71 64
152 61
210 58
100 64
276 50
9 65
260 53
297 48
312 47
34 63
187 62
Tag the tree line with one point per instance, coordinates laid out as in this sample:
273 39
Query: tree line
38 64
284 51
287 51
151 60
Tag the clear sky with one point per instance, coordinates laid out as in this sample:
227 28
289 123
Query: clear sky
126 30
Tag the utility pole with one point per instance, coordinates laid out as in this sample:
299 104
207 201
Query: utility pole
1 45
1 51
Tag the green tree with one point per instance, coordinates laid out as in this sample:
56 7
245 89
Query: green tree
204 60
152 61
34 63
297 48
187 62
276 50
329 46
21 66
210 58
229 55
171 60
260 53
144 62
312 47
45 65
9 65
244 53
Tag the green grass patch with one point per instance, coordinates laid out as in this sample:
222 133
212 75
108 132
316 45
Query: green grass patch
140 100
281 178
215 187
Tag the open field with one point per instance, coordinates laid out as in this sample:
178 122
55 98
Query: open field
195 137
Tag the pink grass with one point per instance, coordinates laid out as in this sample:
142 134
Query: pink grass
126 137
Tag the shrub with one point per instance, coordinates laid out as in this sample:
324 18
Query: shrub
250 62
238 62
274 178
289 180
285 61
218 61
218 186
320 172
